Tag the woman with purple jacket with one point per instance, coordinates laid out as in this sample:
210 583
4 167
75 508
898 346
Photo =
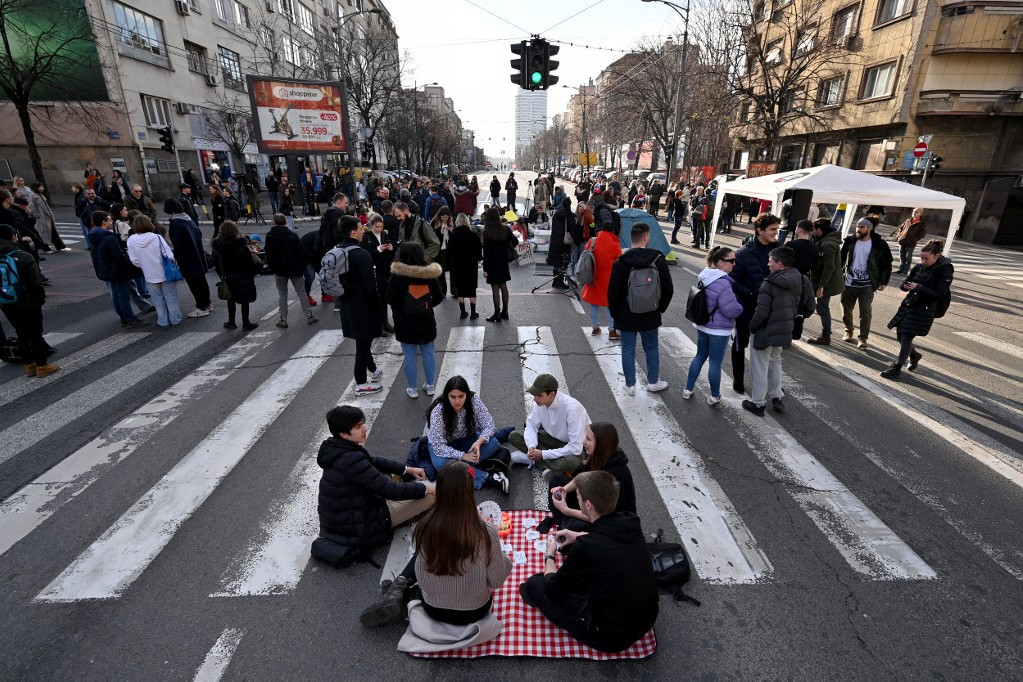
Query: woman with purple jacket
714 336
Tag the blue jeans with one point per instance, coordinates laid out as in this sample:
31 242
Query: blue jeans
120 294
577 250
273 201
488 450
309 275
164 295
708 346
85 233
412 368
650 350
595 316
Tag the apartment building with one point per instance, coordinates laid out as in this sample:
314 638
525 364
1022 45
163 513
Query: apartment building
530 117
902 70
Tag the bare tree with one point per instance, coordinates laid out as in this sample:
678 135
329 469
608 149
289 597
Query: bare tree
228 119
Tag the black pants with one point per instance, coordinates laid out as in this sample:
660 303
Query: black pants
55 239
231 311
363 359
739 352
906 348
571 614
28 325
200 289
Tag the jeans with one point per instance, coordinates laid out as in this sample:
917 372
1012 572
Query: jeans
906 258
824 311
135 291
273 201
363 359
595 315
165 298
120 295
487 450
282 295
678 225
28 325
699 232
85 233
412 367
650 350
140 284
291 222
712 346
906 348
309 275
865 297
765 370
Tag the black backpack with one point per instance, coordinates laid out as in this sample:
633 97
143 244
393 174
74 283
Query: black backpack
339 552
671 567
697 310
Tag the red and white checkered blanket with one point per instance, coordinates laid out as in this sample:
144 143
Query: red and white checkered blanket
526 631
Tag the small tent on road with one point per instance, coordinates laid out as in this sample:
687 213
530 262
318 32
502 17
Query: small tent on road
631 216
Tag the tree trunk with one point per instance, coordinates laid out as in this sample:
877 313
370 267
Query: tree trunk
30 140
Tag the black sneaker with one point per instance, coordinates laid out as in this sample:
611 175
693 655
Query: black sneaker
914 360
499 462
893 372
545 526
778 405
390 609
751 406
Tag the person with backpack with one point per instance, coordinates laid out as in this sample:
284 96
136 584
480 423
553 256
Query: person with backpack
287 260
414 228
639 291
602 251
580 230
702 215
22 296
714 333
434 203
929 285
359 304
413 291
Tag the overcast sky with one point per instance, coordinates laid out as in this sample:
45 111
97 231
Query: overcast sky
444 39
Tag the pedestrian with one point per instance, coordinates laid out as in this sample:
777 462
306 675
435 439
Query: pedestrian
286 205
122 228
360 306
465 251
465 199
751 267
216 209
86 206
582 190
442 224
43 214
655 194
140 202
607 248
495 191
186 239
380 246
929 286
912 230
232 258
413 291
826 275
580 229
559 252
26 312
113 267
412 227
511 186
784 295
273 187
499 242
804 247
638 293
287 260
712 338
147 251
187 202
232 209
867 259
702 216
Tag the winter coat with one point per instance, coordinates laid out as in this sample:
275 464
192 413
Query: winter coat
465 201
827 272
562 222
417 230
360 305
284 252
618 290
495 258
749 271
233 260
217 208
330 233
188 207
109 261
916 313
783 295
465 251
143 204
495 188
879 262
542 193
606 250
41 210
186 239
724 307
310 242
232 209
414 329
33 294
618 466
911 233
806 255
381 259
354 489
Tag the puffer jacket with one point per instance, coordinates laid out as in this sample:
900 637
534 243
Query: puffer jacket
234 264
354 489
415 329
618 290
827 271
606 250
108 260
721 301
749 271
33 295
284 252
916 314
783 295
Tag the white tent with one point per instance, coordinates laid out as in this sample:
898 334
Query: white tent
837 185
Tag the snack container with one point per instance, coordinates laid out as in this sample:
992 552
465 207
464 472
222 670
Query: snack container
505 527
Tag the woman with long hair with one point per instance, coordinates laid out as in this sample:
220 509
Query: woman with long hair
287 205
497 238
413 291
606 249
147 249
459 427
442 223
233 260
458 561
464 255
713 337
43 214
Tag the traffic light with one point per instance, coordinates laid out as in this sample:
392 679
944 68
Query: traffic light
167 139
534 66
519 77
934 163
536 61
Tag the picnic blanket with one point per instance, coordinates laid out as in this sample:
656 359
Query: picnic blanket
526 631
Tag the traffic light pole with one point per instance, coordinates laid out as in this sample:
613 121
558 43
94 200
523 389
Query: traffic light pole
177 159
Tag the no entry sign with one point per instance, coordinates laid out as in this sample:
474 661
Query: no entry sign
920 149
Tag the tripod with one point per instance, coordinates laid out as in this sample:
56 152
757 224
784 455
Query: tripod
569 286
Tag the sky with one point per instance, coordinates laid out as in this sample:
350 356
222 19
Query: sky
462 46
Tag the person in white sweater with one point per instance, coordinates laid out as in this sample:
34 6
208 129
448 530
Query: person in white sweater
146 250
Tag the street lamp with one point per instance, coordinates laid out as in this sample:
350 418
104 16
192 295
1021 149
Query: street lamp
683 13
415 123
586 142
344 96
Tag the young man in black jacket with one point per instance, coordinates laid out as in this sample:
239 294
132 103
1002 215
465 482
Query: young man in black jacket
26 313
604 594
287 261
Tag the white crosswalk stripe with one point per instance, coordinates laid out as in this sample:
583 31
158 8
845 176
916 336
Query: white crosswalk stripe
57 338
539 356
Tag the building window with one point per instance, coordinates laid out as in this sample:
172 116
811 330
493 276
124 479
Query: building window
220 9
241 15
156 111
196 58
290 51
139 31
231 67
266 37
287 9
791 102
878 81
891 9
844 23
830 92
305 18
806 41
772 53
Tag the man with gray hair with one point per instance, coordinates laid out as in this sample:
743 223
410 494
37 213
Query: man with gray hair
137 201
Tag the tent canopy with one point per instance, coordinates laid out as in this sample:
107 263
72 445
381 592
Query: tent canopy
837 185
658 241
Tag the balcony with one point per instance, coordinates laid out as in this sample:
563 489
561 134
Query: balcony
1005 103
980 28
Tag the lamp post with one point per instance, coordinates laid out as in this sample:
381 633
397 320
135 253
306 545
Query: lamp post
586 142
344 96
683 13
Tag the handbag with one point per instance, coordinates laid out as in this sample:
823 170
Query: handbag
171 271
513 252
223 291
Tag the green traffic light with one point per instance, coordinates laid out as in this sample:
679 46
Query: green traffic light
536 77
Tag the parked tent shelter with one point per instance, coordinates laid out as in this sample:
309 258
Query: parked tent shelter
838 185
631 216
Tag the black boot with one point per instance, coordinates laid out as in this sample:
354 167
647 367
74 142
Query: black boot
473 315
496 317
893 372
914 360
391 608
504 313
462 314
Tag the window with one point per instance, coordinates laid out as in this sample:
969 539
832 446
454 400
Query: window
266 37
791 102
830 92
290 51
241 15
220 9
156 111
878 81
772 53
231 67
806 41
139 31
286 8
305 18
891 9
196 58
844 23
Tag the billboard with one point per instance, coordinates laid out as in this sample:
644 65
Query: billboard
293 116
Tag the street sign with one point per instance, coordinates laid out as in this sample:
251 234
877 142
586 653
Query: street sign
920 149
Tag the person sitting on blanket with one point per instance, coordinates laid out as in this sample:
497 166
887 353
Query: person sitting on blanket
604 594
557 425
458 561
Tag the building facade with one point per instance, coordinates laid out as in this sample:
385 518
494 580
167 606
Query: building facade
530 117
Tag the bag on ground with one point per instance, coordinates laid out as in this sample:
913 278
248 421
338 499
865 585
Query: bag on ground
671 567
586 267
644 292
333 265
339 552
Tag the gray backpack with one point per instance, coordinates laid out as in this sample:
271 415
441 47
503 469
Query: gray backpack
585 268
644 293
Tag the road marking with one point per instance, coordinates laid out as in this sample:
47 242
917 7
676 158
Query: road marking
26 509
87 357
110 564
219 657
276 309
275 559
57 338
720 545
867 544
27 432
577 305
995 344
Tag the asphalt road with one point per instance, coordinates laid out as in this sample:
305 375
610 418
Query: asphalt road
156 493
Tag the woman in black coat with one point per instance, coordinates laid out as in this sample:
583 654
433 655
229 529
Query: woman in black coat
928 284
413 292
381 248
465 251
217 207
558 252
497 239
233 260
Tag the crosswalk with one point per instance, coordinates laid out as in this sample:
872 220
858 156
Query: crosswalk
719 534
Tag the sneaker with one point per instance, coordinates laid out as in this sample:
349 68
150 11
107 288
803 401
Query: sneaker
686 393
198 312
376 375
499 463
778 405
327 298
658 387
136 323
614 335
894 372
282 323
498 480
66 248
630 390
312 301
546 475
821 340
751 406
47 369
209 308
713 400
429 389
310 319
364 389
848 337
230 325
337 307
861 343
249 326
391 607
412 392
595 332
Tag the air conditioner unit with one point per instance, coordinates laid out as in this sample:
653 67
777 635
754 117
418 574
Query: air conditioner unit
182 7
182 107
211 79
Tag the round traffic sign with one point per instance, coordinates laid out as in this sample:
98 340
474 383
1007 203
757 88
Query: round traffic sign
920 149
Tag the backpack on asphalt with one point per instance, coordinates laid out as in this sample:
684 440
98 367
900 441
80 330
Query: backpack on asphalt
10 280
339 552
671 567
644 292
586 268
697 310
333 265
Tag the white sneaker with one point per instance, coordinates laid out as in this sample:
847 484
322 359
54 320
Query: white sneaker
198 312
546 475
412 392
686 393
364 389
630 390
521 458
711 400
429 389
659 386
376 376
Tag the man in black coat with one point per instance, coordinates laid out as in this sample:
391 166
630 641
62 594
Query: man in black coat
26 314
360 305
187 202
751 267
113 267
287 260
604 594
867 259
558 252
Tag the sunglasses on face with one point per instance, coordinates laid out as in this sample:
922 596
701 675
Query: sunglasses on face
727 260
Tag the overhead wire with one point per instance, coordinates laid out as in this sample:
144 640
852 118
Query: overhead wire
515 26
571 17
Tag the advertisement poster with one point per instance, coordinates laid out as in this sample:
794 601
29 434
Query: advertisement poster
297 116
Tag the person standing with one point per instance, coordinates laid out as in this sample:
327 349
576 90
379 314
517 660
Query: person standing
43 214
655 193
412 227
146 250
187 202
360 306
826 275
868 267
495 191
216 209
190 255
413 291
498 240
679 205
287 261
378 242
273 186
232 257
442 224
713 337
909 235
511 186
701 218
26 313
751 267
113 267
784 294
559 252
607 248
929 286
138 201
465 251
582 190
286 205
